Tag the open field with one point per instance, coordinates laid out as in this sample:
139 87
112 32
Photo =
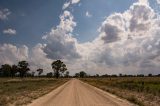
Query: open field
140 90
22 91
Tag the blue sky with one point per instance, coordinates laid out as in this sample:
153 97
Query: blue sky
98 36
33 18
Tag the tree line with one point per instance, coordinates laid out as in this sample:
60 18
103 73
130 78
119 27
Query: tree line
59 70
83 74
22 70
7 70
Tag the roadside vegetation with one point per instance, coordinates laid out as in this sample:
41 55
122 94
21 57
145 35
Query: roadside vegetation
19 84
16 91
143 91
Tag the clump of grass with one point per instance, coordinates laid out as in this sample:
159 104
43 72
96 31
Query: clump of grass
3 100
135 100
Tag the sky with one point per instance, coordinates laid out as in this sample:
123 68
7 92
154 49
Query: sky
96 36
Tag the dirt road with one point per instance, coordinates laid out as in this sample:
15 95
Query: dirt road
77 93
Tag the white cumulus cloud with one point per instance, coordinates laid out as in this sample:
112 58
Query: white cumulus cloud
158 1
69 3
38 58
66 5
75 1
128 42
60 39
88 14
144 2
9 31
11 54
4 13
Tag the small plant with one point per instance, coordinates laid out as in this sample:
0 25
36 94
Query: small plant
135 100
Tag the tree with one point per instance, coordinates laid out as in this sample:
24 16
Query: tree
158 75
120 75
140 75
50 74
58 67
6 70
40 71
105 75
1 73
82 74
32 74
150 75
23 68
14 70
77 75
67 74
97 75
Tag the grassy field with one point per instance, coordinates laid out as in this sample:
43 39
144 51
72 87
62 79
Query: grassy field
22 91
144 91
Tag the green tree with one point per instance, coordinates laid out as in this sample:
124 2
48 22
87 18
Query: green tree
77 75
14 70
1 74
67 74
32 74
50 74
23 68
82 74
6 70
58 67
150 75
97 75
40 71
120 75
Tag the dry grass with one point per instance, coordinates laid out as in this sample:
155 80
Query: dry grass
22 91
144 91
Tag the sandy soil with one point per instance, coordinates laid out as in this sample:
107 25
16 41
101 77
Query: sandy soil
78 93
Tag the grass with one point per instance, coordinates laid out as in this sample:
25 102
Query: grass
143 91
22 91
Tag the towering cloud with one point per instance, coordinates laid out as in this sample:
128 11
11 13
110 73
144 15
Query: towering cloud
60 43
130 39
